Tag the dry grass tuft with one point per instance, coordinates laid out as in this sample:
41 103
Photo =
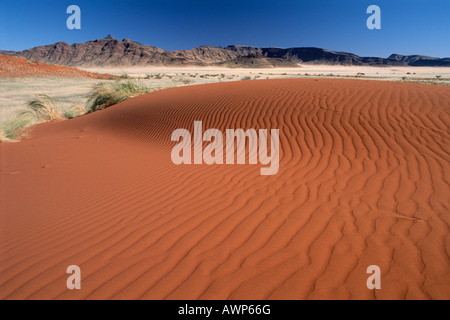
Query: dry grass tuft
41 109
108 94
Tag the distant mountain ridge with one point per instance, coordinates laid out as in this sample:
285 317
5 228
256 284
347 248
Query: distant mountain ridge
112 52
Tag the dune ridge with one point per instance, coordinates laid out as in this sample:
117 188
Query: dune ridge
363 179
19 67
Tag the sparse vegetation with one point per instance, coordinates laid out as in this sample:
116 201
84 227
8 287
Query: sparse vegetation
14 129
427 81
108 94
41 109
74 111
86 98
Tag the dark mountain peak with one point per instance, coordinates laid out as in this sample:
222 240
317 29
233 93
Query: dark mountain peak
396 55
61 43
417 60
109 37
208 46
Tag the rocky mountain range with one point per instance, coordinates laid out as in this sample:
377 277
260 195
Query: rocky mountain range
110 52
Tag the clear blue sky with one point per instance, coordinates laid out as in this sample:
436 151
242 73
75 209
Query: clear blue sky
408 26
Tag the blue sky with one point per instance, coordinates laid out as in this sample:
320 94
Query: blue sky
408 26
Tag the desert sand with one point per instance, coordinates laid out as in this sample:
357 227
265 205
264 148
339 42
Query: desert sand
18 67
67 91
363 180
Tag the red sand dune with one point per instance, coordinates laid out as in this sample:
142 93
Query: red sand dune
18 67
363 180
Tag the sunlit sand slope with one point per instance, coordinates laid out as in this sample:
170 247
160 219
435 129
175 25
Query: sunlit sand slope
363 180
